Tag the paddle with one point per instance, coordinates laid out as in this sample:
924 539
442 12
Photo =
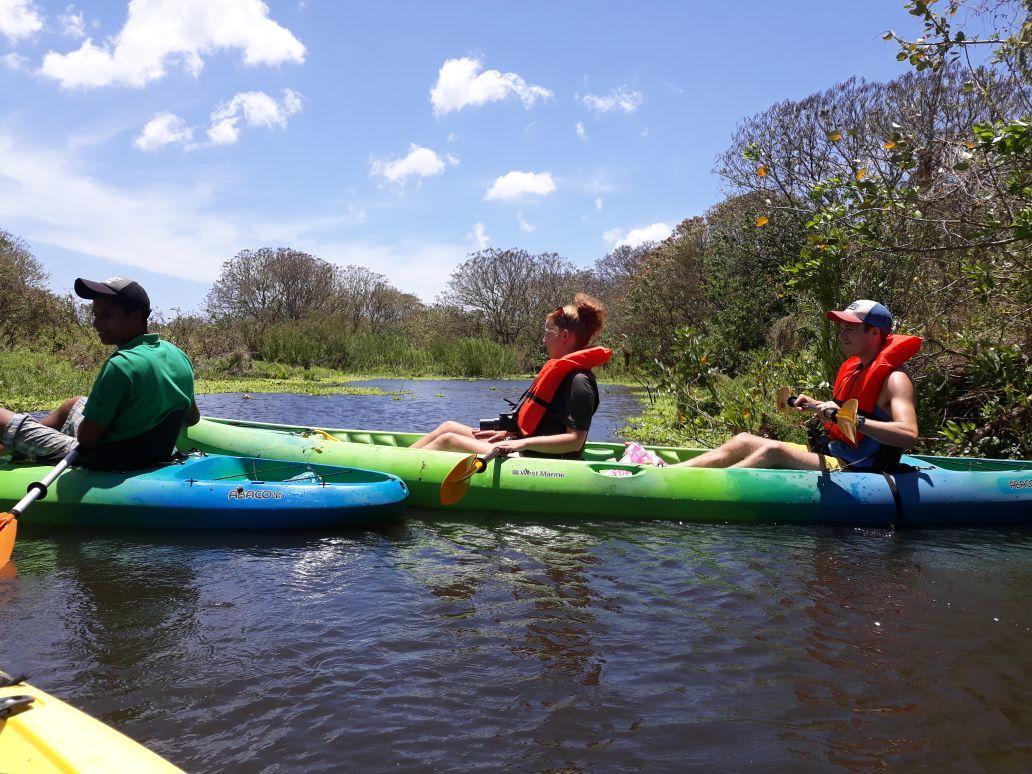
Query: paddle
36 491
844 416
456 483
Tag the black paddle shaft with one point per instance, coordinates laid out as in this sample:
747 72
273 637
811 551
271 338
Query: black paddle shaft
830 413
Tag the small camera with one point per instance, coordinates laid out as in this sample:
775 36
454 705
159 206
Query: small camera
506 422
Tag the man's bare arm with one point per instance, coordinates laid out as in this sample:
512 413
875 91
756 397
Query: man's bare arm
898 397
89 433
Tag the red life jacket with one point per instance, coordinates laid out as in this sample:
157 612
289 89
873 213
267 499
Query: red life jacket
865 383
538 399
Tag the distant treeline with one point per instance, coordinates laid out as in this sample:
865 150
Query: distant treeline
916 193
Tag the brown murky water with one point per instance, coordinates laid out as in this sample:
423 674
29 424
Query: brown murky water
518 646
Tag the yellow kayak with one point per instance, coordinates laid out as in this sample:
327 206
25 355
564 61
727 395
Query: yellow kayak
40 733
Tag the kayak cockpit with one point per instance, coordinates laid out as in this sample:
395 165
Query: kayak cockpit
210 469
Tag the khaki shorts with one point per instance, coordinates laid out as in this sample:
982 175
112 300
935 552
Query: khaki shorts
831 463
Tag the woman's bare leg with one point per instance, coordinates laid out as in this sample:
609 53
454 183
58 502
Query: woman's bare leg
458 442
454 428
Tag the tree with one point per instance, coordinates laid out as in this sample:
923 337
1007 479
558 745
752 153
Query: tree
612 273
667 293
28 309
511 290
269 286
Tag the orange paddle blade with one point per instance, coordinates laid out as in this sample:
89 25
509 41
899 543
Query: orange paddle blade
8 529
782 399
456 483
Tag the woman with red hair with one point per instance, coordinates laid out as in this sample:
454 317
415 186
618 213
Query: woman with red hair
553 416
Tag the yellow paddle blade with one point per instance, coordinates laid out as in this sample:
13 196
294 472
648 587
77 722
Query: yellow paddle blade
845 418
456 483
8 529
309 432
782 399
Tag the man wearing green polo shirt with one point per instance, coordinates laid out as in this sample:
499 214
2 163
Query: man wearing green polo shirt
141 398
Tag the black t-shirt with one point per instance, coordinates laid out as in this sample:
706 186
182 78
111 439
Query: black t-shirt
574 405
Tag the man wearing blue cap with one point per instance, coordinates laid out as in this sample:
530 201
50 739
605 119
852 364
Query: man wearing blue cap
140 400
887 421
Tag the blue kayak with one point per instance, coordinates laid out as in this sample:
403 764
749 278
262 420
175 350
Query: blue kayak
211 492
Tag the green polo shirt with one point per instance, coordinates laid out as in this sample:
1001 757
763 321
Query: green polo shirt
142 381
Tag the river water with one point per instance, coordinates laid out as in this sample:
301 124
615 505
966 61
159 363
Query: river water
485 644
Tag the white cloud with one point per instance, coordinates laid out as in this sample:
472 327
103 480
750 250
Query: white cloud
518 185
527 228
13 61
358 214
645 132
618 99
45 197
598 183
421 268
48 200
420 162
598 204
460 83
163 129
159 35
582 133
254 108
478 236
19 19
657 232
73 25
452 137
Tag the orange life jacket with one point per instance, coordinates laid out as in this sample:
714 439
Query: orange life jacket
854 380
538 399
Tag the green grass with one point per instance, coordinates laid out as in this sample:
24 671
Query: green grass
34 381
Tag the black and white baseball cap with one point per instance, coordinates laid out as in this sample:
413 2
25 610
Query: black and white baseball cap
128 290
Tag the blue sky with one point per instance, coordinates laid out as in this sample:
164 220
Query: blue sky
156 139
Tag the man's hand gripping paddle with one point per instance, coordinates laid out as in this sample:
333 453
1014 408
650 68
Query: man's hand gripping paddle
844 416
37 491
456 483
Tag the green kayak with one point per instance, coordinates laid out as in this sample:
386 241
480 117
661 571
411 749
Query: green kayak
937 491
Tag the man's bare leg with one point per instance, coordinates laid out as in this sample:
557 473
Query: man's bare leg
728 453
58 416
55 419
5 417
780 456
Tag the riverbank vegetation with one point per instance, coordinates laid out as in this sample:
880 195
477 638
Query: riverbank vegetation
916 193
